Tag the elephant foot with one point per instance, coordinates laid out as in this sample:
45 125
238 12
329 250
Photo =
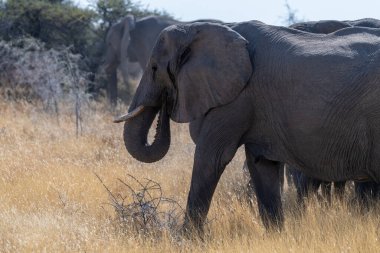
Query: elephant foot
273 224
191 232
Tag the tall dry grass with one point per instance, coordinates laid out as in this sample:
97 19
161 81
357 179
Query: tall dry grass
51 200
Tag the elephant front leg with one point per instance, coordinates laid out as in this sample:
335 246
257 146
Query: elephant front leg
266 177
203 183
209 165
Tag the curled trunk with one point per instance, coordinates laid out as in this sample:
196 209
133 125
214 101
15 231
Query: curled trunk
136 135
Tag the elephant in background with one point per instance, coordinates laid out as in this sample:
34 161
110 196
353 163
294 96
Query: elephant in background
330 26
321 120
117 42
365 22
132 40
364 190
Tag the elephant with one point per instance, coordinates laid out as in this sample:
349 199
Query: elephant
132 40
365 22
330 26
117 42
323 26
307 100
304 184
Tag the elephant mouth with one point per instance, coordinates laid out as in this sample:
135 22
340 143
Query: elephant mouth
126 117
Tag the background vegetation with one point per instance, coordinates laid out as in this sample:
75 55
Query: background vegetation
62 26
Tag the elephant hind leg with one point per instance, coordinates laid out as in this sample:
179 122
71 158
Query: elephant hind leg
366 193
265 175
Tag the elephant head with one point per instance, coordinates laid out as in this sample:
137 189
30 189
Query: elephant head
117 42
193 69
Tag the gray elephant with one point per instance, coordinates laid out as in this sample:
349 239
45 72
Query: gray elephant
304 184
330 26
132 41
308 100
117 42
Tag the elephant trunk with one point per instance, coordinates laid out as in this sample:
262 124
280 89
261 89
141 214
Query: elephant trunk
136 135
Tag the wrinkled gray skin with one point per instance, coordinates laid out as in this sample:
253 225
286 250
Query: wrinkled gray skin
309 100
304 184
132 41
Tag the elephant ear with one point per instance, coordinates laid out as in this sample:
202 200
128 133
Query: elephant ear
212 68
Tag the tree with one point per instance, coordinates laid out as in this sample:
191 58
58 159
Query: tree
55 22
111 11
291 17
61 24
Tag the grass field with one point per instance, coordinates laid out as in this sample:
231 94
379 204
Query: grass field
51 200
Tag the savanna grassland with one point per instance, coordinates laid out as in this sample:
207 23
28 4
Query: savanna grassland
52 201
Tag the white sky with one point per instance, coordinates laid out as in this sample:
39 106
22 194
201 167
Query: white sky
268 11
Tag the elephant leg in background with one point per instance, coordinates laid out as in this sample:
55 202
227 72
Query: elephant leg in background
304 185
111 72
326 190
265 175
124 70
282 178
366 192
339 189
288 175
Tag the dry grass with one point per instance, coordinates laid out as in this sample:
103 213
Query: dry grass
51 200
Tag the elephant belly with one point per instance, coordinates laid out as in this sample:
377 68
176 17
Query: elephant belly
336 152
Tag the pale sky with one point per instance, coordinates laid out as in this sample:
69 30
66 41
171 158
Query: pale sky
268 11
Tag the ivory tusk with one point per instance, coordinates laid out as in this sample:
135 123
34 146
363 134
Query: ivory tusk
130 115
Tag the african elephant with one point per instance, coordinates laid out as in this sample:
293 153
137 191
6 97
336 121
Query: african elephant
304 184
323 120
117 42
132 41
365 22
330 26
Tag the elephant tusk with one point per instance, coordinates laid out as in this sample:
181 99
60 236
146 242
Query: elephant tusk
129 115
